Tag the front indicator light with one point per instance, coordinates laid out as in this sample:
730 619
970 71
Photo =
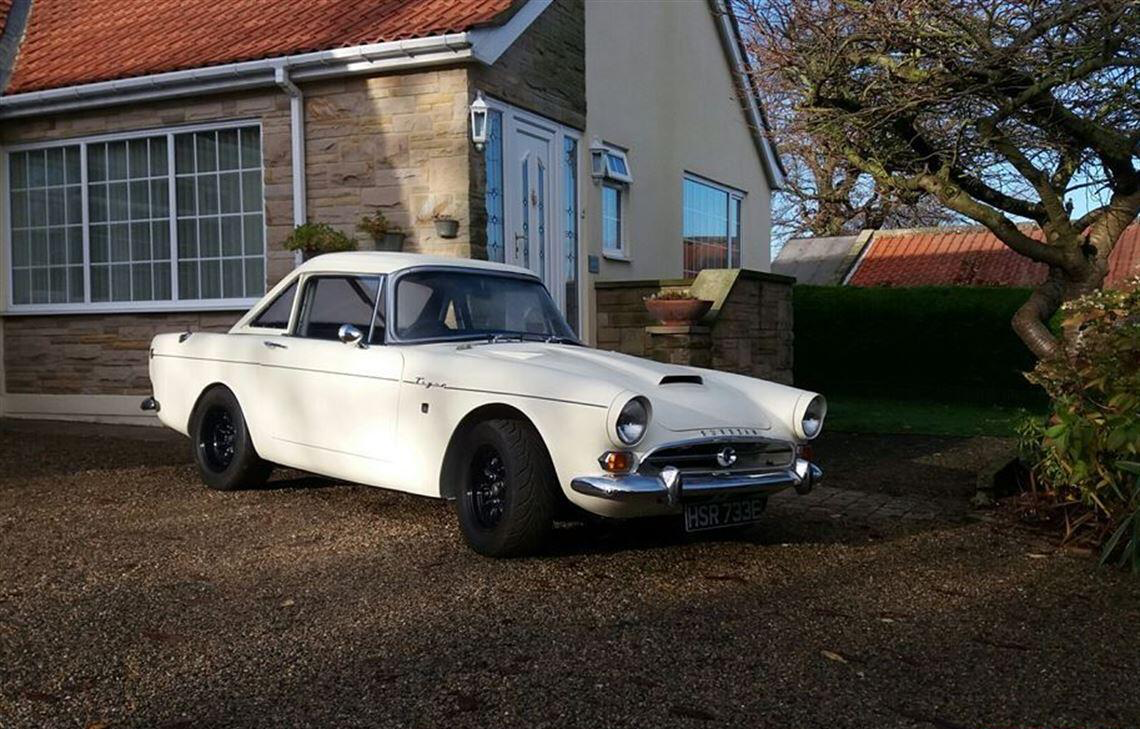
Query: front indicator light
617 461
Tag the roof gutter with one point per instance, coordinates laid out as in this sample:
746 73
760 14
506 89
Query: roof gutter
376 57
733 47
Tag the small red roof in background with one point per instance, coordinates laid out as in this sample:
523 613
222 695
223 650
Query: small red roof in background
71 42
968 257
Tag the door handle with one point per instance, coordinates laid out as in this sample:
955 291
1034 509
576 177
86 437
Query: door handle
274 345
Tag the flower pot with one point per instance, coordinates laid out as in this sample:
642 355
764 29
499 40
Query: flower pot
447 227
677 312
392 242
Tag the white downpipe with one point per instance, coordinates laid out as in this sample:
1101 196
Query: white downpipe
297 139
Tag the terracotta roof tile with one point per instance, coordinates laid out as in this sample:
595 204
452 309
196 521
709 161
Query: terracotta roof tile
5 6
957 257
70 42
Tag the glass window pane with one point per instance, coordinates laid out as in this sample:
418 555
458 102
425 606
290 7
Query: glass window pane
332 301
22 286
611 218
251 191
207 194
37 174
252 234
209 245
254 276
38 246
231 235
142 282
233 278
187 238
97 203
116 160
56 206
211 276
100 243
19 205
140 199
139 166
187 197
37 206
96 162
162 281
140 242
159 199
251 148
121 282
57 285
20 257
100 283
229 192
71 162
160 240
184 154
207 156
117 198
705 227
276 315
55 168
228 155
75 244
18 170
188 280
75 205
40 286
158 156
75 283
57 247
120 242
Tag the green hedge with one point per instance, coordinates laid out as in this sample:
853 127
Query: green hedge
933 343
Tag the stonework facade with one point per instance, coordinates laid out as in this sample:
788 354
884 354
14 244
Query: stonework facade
749 331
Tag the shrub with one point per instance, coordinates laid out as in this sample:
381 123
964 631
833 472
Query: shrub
1085 451
940 343
315 238
377 225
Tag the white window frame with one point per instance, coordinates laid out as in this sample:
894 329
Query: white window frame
620 253
733 194
87 306
602 163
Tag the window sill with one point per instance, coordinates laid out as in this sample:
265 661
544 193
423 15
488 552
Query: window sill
147 307
616 256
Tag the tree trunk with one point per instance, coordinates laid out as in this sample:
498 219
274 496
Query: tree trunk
1031 321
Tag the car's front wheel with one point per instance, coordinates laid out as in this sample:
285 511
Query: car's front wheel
508 492
223 449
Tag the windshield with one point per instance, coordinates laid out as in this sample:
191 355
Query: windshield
473 305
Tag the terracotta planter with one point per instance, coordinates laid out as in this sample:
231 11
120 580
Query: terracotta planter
677 312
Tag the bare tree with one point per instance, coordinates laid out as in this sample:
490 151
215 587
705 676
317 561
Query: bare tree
825 195
998 110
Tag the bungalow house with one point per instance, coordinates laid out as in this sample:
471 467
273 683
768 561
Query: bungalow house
156 153
950 256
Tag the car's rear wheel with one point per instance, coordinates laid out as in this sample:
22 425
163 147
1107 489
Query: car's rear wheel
508 492
223 449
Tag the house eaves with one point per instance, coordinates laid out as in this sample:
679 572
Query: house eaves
482 45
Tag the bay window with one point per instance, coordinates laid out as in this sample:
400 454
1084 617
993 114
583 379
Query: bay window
711 226
159 220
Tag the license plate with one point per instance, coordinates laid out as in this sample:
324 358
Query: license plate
718 514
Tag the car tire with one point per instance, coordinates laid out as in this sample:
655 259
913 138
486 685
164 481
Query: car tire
507 495
223 449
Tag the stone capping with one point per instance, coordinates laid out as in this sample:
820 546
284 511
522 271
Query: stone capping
678 329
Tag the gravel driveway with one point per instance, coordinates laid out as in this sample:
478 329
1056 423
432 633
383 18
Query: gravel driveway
130 596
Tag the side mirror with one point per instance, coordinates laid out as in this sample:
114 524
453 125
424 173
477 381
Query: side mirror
350 335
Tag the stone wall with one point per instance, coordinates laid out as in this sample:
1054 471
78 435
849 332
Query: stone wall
91 354
749 328
398 143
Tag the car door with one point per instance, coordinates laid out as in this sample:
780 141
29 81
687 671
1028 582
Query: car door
335 403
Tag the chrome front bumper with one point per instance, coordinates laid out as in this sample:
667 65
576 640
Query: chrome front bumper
671 488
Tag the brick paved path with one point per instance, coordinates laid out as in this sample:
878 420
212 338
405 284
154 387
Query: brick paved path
826 503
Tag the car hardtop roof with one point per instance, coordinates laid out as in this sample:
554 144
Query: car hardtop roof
385 262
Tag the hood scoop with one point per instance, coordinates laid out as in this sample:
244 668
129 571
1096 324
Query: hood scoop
681 380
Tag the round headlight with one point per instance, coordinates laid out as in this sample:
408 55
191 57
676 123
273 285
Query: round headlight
632 421
812 421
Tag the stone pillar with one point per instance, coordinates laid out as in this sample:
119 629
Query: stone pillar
689 345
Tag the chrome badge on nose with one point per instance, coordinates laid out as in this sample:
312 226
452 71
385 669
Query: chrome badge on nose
726 457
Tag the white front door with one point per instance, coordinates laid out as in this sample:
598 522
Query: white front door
529 183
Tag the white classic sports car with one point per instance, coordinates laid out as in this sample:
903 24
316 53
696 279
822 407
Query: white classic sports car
460 379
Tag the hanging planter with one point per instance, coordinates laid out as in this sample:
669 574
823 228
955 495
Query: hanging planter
676 307
446 227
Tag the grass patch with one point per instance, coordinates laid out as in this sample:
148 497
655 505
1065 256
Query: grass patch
873 415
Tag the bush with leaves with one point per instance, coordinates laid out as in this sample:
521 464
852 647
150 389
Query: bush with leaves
1086 451
315 238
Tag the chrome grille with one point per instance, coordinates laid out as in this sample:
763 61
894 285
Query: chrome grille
698 457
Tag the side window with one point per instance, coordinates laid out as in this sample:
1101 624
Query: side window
332 301
276 315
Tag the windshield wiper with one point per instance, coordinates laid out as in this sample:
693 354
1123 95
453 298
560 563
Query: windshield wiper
503 337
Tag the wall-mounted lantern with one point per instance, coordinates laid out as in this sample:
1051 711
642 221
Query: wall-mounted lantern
609 163
479 121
